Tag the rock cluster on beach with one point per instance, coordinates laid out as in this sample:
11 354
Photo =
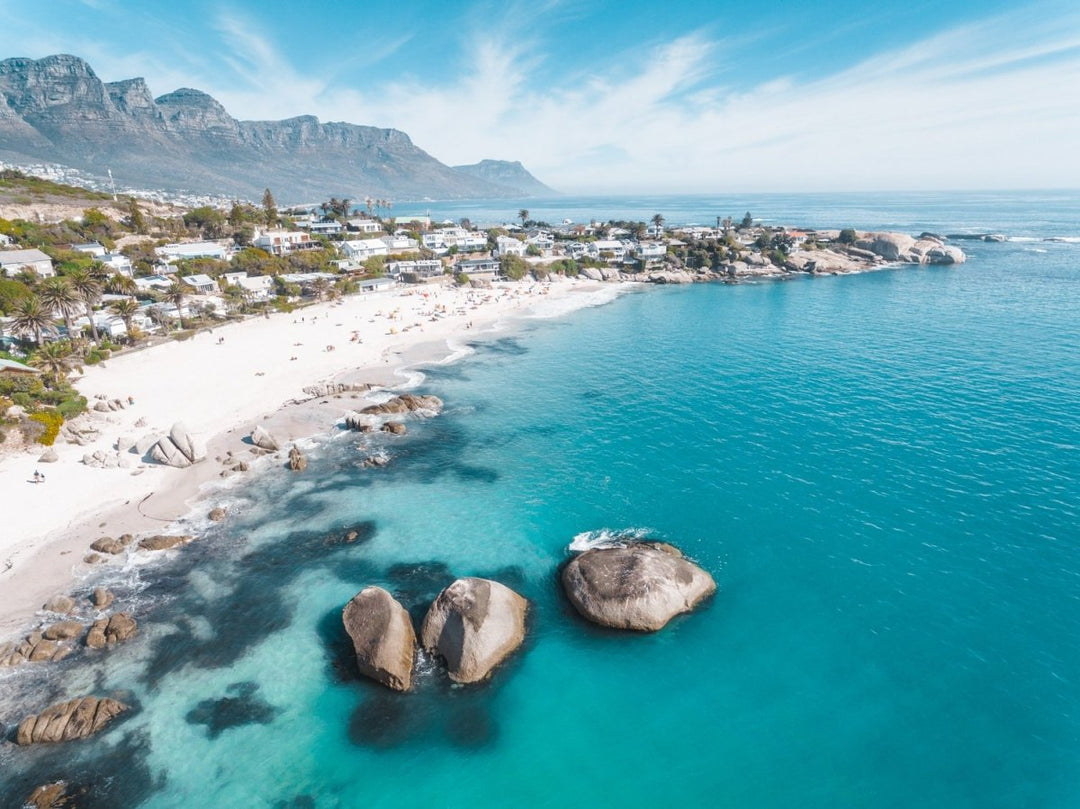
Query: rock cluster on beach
75 719
54 641
405 403
639 586
179 448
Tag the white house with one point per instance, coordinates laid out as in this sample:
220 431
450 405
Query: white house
506 246
363 249
574 250
421 268
331 228
257 287
151 283
5 240
607 250
13 262
542 241
649 251
201 284
177 251
91 249
118 263
280 242
360 225
398 243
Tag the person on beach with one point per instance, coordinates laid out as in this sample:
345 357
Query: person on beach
37 476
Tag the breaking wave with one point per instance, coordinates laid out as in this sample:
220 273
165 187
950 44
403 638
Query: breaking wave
608 538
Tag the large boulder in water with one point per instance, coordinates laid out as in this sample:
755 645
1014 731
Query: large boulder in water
640 586
65 721
474 625
383 637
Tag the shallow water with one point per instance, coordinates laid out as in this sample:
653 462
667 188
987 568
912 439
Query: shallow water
881 471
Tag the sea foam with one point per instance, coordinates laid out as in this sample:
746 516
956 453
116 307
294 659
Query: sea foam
608 538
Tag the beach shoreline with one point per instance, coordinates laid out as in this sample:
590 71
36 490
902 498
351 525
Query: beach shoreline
230 379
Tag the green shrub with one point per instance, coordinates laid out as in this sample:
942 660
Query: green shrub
22 399
70 408
96 355
461 279
50 420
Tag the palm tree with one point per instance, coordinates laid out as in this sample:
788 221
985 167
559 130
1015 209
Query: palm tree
57 296
125 309
523 215
54 359
31 319
176 295
320 288
658 222
89 291
121 285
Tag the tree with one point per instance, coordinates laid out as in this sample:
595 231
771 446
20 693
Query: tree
135 219
466 223
125 309
11 292
209 221
747 221
55 359
121 285
30 319
320 288
513 267
847 236
176 295
270 208
523 215
89 291
57 296
658 222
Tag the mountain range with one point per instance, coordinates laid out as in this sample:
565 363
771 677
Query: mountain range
57 110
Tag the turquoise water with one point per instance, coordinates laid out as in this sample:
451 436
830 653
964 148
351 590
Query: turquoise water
881 471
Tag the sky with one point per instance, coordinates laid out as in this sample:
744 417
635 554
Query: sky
693 96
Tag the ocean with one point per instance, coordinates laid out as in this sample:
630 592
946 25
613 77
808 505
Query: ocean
881 471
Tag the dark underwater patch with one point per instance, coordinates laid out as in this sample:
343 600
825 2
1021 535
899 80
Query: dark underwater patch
98 775
242 707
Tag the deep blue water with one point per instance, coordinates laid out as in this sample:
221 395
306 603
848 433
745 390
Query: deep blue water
882 472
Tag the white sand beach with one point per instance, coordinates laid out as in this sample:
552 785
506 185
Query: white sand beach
221 383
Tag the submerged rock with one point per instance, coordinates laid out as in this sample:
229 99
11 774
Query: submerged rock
383 637
405 403
162 542
108 631
60 604
641 586
217 514
65 721
394 427
102 598
474 625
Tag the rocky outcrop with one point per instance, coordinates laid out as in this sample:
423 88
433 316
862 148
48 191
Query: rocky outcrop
297 461
34 648
64 630
65 721
110 545
179 448
109 631
406 403
50 796
60 603
217 514
394 428
361 422
162 542
382 636
334 388
903 248
474 625
102 599
261 438
48 456
641 586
